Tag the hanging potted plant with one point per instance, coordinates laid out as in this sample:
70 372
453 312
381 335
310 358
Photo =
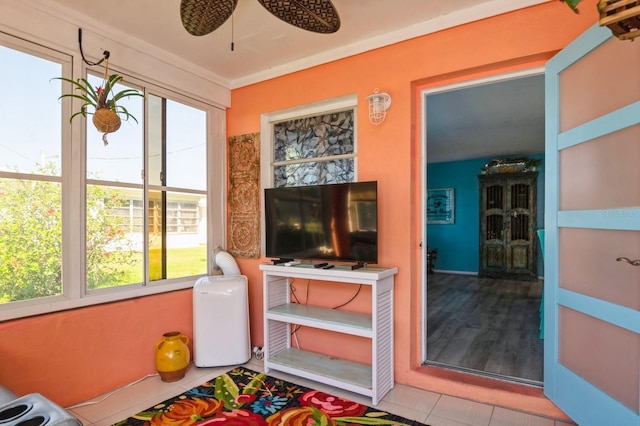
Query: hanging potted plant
622 17
106 110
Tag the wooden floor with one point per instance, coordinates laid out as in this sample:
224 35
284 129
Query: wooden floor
485 325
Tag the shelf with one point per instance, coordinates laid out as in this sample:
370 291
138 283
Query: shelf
323 368
376 324
323 318
341 273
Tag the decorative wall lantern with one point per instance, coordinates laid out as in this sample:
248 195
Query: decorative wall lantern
379 103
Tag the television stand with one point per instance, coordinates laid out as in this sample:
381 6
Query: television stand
358 265
280 261
372 379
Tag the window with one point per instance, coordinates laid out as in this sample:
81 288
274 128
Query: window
314 150
31 181
311 145
127 243
83 223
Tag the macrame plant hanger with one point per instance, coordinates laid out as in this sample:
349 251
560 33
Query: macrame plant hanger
102 93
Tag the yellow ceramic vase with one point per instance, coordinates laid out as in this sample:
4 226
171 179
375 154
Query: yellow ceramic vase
172 356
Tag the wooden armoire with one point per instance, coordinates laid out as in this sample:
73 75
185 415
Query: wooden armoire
508 225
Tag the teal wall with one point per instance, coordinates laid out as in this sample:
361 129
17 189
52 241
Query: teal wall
459 244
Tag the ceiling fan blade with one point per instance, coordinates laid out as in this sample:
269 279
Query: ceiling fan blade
319 16
200 17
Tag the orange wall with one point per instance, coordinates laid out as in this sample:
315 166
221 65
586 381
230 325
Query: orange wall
390 153
74 355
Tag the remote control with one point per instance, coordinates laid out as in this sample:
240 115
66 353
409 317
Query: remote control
320 265
328 266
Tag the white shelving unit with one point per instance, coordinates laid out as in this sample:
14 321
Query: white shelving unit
371 380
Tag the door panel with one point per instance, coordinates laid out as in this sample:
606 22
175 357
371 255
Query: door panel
602 173
519 257
602 354
588 264
495 255
592 218
592 87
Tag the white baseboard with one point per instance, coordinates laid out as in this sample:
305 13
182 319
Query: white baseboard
443 271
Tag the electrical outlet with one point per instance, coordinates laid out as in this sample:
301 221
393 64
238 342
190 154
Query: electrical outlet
258 352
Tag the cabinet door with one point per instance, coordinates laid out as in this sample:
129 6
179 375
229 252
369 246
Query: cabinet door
519 242
507 221
493 225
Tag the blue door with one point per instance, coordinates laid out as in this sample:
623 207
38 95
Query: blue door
592 224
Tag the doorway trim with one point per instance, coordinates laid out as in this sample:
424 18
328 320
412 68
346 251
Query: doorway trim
423 186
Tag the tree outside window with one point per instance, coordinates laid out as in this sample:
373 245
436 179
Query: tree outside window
144 207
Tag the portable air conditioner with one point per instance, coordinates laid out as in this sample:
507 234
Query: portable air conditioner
221 321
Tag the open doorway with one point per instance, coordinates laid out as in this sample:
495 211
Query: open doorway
488 326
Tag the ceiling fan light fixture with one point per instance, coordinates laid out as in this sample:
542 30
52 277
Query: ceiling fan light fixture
319 16
201 17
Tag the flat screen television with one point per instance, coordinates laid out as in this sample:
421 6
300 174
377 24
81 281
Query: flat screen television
336 222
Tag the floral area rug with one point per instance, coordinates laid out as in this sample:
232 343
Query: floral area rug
245 397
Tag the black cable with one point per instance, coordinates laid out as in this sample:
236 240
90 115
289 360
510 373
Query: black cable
350 300
293 292
306 297
295 296
105 54
297 326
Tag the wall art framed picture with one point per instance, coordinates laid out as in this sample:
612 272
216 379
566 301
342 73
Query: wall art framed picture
440 206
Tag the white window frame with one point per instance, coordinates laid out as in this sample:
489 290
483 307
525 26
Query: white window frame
267 121
73 166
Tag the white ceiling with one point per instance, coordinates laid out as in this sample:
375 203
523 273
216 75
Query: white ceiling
265 46
501 118
476 121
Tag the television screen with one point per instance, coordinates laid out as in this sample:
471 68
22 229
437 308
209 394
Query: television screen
328 222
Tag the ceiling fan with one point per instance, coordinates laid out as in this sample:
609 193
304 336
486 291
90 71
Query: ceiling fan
201 17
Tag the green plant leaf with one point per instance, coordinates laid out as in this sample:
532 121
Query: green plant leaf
91 97
573 4
126 93
122 110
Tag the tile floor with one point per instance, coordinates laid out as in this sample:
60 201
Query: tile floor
417 404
